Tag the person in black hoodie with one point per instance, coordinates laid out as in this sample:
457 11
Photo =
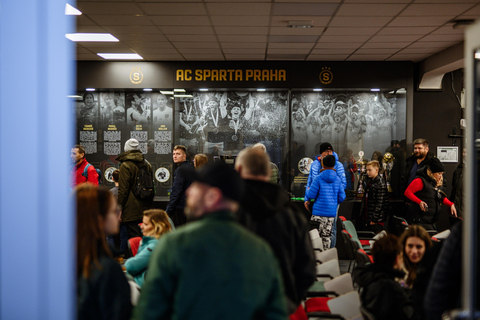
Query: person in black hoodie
265 210
380 294
416 161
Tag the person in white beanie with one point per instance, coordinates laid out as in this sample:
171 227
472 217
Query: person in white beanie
132 207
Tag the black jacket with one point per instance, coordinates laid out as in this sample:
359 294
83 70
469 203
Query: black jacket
105 294
265 210
375 201
381 295
432 196
180 185
408 166
457 189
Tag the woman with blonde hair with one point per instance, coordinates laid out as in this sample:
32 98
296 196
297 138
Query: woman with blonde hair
103 290
155 223
200 160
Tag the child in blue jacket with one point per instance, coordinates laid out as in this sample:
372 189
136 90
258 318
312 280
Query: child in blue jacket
328 192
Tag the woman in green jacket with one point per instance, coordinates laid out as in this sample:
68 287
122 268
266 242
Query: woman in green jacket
155 223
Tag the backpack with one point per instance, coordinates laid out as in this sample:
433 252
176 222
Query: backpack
143 187
99 172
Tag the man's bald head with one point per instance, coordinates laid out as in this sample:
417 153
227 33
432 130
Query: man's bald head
253 163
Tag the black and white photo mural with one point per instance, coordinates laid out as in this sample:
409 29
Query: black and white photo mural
356 121
223 123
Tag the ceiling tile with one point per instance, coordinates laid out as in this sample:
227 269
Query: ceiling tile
216 51
295 31
242 57
434 9
327 57
440 38
196 44
141 37
359 21
475 11
186 30
132 29
405 30
343 38
163 57
368 57
382 45
290 45
82 50
293 39
304 9
332 51
88 56
245 50
104 45
303 1
247 21
192 38
376 51
111 50
403 38
149 44
240 38
93 29
419 50
286 57
370 10
101 7
84 20
448 30
120 20
419 21
288 51
239 45
408 57
173 8
282 21
238 9
335 31
242 30
141 51
427 44
180 20
375 1
347 45
203 57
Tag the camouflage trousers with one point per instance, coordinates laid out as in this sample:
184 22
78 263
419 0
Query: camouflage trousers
325 225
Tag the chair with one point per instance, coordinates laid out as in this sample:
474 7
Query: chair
364 240
317 301
398 225
350 249
363 258
347 305
328 270
340 285
327 255
133 245
441 235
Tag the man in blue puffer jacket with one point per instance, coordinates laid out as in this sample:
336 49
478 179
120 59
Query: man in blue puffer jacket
326 149
328 192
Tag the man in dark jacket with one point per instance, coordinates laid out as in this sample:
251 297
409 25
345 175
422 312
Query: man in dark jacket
212 268
265 210
375 202
132 207
380 294
415 162
176 206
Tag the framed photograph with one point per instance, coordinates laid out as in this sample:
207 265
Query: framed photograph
447 154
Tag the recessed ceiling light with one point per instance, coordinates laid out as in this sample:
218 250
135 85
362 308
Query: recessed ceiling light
166 92
120 56
203 89
179 90
261 89
317 89
90 89
91 37
374 89
183 96
147 89
300 24
72 11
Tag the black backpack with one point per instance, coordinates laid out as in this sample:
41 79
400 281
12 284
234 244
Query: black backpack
144 188
85 174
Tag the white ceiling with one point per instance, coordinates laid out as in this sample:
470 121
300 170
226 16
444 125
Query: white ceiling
344 30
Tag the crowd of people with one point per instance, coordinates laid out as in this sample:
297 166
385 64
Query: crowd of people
231 244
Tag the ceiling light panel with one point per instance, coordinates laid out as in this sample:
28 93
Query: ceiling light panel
72 11
91 37
120 56
304 9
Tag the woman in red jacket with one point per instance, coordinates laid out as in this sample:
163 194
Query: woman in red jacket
426 195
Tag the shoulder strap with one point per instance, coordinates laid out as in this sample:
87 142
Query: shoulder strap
85 171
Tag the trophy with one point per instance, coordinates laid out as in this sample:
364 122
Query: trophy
362 166
388 159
